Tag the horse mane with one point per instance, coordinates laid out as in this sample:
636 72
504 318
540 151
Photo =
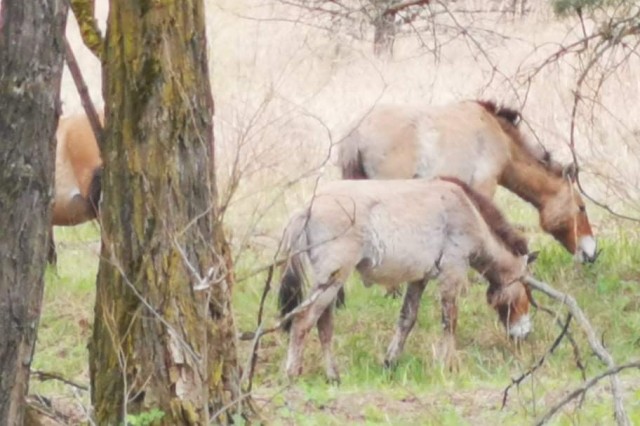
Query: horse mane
509 119
514 242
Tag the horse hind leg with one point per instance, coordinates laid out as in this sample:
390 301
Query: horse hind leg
52 255
325 334
321 298
407 320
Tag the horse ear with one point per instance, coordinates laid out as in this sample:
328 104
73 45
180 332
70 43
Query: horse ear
570 171
531 257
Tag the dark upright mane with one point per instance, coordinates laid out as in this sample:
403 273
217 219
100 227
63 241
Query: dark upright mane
509 119
494 218
511 115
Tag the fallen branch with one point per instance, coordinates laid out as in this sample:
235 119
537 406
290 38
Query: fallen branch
530 371
620 413
44 376
39 411
582 389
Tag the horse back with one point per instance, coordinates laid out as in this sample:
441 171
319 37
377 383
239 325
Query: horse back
381 146
400 142
394 230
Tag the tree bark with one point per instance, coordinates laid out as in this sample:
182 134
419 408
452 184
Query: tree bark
164 337
84 11
384 25
31 58
384 35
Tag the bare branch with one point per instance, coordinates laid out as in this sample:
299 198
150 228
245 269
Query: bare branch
594 342
538 364
44 376
397 7
582 389
81 86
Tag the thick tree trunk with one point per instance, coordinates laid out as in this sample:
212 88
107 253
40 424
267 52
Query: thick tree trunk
163 339
31 55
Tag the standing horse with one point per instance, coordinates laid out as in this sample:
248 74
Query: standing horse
479 144
78 174
399 231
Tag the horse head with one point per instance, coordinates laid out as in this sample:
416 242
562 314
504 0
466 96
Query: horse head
564 216
511 297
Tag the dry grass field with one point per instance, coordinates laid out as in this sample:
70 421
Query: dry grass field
285 93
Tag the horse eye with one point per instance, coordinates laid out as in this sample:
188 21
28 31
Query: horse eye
583 209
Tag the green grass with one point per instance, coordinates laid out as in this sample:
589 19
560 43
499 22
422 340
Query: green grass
419 391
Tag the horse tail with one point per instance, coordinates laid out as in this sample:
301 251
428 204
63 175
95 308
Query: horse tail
296 245
94 196
350 157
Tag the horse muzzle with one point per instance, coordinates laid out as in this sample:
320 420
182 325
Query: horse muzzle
521 328
587 251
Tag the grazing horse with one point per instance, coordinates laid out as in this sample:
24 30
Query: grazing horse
399 231
479 144
78 174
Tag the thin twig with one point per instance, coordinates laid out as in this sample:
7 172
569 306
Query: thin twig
574 345
44 376
538 364
619 410
582 389
253 359
81 87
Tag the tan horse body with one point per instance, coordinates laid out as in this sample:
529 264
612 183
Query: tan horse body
77 174
399 231
479 144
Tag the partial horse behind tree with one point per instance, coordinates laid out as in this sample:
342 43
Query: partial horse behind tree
399 231
78 174
478 143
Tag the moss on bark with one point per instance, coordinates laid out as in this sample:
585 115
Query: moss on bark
31 60
157 341
84 11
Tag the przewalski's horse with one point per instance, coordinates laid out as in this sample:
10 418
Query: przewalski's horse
399 231
479 144
78 174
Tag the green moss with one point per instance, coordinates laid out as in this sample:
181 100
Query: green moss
89 30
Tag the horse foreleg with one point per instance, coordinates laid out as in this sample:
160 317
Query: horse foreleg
408 316
302 323
325 333
451 285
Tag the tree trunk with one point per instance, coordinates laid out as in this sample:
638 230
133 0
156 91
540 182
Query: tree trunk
384 35
31 59
164 338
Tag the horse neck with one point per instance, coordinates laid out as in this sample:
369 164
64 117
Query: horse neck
530 180
495 261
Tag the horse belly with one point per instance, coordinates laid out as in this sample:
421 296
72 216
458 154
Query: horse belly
402 254
390 274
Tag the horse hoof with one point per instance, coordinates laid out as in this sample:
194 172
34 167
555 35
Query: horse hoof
395 293
293 373
334 380
390 365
